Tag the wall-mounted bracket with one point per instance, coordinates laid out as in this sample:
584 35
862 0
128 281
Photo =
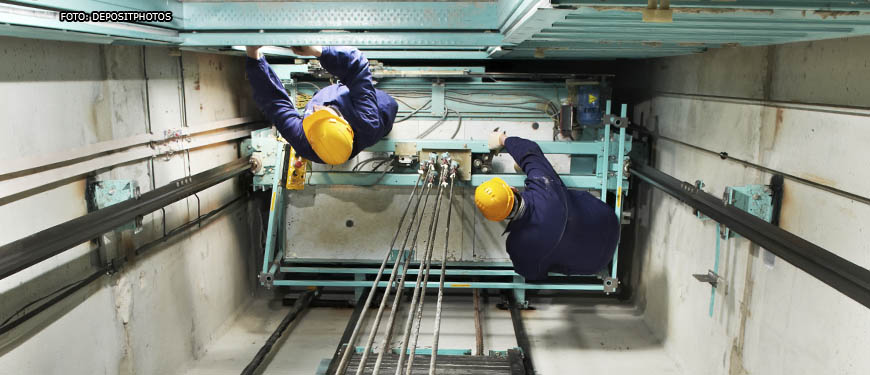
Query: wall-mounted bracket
711 278
109 192
754 199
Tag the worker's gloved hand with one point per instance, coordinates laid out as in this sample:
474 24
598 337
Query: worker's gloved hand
496 140
307 50
253 51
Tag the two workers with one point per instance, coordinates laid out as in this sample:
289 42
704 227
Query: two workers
550 228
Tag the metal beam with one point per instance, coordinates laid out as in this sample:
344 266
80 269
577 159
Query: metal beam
364 15
448 284
847 277
408 179
358 39
37 247
547 147
348 331
829 5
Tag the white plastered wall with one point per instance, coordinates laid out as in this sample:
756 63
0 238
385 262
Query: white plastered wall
770 319
162 310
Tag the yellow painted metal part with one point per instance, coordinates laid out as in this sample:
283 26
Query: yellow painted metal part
296 171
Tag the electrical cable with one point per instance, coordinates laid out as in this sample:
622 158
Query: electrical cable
404 102
369 160
74 283
502 105
67 291
434 126
458 126
725 156
413 112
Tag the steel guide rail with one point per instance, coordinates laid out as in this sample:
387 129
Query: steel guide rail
847 277
37 247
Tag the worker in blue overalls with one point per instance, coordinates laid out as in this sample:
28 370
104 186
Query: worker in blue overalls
551 228
340 120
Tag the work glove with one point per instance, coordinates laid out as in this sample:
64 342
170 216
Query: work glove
307 50
253 52
495 144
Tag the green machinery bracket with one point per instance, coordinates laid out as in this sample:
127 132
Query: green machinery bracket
757 200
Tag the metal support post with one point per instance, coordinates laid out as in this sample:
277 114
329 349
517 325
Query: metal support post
438 98
266 274
604 159
520 294
620 163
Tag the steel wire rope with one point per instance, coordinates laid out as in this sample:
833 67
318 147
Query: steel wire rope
345 358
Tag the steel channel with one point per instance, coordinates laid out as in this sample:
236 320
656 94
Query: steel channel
37 247
437 331
847 277
416 296
418 319
520 333
300 306
345 337
342 366
399 255
478 327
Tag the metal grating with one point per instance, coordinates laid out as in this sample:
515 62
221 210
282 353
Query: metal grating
447 365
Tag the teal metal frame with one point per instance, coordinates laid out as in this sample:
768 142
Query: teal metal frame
271 259
610 149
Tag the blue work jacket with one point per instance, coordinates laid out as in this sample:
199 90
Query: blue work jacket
369 112
561 230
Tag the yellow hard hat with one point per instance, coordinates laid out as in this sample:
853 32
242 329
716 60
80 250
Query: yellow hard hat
494 199
329 135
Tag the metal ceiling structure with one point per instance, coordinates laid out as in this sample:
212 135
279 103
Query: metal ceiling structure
498 29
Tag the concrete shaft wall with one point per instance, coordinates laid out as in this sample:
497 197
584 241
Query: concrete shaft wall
771 318
160 311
